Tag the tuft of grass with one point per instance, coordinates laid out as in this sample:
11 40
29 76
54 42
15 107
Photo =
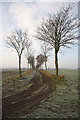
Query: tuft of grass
17 76
52 77
55 80
15 83
28 72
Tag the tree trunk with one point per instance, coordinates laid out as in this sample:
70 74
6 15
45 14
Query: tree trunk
20 66
56 62
45 65
28 65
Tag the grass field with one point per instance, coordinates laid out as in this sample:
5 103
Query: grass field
11 82
62 103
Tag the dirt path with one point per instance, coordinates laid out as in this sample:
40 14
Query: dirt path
24 101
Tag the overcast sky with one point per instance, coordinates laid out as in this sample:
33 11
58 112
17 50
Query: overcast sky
28 15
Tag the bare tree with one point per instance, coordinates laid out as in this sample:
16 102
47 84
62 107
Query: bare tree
28 51
59 30
17 40
31 61
45 49
40 60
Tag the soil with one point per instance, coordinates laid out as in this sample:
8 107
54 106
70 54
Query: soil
22 102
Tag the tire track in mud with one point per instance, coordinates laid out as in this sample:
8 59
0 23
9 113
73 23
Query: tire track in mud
22 93
24 101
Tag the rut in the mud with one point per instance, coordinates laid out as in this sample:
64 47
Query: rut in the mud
25 100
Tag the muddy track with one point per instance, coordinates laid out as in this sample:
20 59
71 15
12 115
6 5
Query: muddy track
24 101
22 93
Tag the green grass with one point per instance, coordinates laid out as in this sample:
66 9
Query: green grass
11 85
63 102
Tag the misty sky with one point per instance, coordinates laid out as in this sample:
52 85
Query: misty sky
28 15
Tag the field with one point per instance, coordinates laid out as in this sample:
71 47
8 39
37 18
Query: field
51 96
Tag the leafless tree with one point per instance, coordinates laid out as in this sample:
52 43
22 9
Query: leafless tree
40 60
59 30
45 49
17 40
28 51
31 61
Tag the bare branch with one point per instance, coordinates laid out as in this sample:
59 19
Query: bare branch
17 40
